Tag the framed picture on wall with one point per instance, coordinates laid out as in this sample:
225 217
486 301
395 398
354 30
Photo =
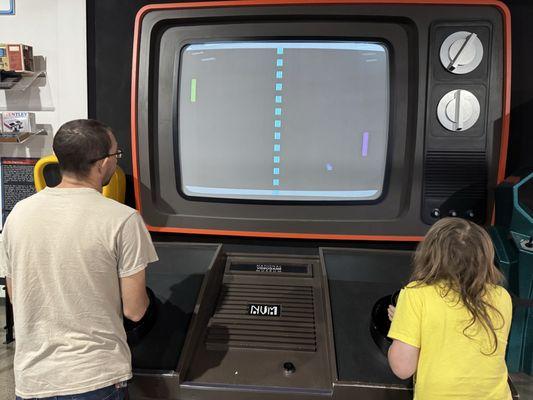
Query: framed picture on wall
7 7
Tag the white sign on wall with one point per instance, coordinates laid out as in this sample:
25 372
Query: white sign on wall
7 7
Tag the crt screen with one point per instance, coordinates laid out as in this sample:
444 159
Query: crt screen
304 121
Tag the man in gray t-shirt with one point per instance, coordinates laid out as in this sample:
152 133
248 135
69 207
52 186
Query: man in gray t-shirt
75 264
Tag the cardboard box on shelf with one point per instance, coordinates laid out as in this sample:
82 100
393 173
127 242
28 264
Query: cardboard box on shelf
4 59
20 57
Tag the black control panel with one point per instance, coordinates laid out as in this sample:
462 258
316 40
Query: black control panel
465 73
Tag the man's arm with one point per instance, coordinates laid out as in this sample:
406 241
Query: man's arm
134 298
403 359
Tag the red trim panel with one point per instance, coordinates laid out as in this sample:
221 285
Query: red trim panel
388 238
505 119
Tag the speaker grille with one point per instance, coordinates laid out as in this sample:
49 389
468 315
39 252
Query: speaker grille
293 330
457 174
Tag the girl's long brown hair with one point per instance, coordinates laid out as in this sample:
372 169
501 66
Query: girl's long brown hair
457 255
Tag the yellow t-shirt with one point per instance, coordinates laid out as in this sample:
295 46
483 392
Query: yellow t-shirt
452 365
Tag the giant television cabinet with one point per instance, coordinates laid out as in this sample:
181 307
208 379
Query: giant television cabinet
288 156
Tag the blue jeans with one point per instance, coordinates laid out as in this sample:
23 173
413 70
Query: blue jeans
108 393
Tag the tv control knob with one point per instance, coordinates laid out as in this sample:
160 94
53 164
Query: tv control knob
458 110
435 213
470 214
452 213
461 52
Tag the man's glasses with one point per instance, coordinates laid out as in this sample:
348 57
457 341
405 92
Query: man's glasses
118 154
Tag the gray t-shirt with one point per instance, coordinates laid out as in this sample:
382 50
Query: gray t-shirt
65 250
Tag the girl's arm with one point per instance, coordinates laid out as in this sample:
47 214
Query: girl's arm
403 359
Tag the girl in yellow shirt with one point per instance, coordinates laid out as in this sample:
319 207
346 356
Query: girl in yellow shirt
451 323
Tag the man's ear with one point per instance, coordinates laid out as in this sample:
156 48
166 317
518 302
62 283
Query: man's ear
104 162
98 167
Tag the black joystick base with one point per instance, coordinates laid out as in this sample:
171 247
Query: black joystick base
380 323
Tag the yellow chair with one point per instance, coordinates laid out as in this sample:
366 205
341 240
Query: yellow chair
46 173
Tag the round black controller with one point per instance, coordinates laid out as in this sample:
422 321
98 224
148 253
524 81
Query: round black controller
380 323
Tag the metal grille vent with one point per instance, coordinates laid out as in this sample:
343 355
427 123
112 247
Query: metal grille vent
457 174
293 330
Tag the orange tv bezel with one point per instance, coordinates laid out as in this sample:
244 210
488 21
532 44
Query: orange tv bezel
287 235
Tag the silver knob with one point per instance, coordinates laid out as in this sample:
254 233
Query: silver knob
458 110
461 52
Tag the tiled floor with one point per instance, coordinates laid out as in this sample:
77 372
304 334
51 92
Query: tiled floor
7 352
7 386
524 385
523 382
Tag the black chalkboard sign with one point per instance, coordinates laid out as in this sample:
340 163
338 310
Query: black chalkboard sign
17 182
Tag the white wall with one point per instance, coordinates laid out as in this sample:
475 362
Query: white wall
57 31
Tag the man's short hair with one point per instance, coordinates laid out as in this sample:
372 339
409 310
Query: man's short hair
79 142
